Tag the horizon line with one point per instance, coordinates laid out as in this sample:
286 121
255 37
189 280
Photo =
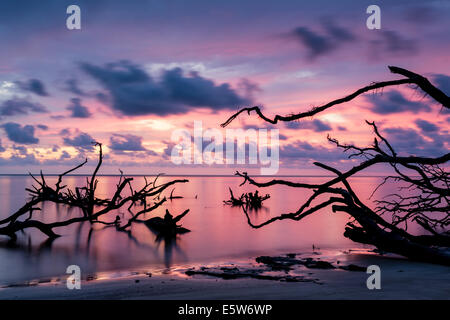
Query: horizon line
184 175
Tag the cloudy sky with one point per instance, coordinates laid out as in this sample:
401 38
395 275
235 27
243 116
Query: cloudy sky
138 70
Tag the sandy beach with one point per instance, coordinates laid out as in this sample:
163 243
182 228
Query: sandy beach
400 279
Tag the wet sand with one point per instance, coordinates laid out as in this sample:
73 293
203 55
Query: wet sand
400 279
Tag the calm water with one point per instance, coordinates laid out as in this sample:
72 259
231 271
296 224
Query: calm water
219 232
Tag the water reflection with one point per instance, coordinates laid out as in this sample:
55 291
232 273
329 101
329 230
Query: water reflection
218 231
170 245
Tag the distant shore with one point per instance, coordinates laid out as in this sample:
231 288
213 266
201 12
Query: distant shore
400 279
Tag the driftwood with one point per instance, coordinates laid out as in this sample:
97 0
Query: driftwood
276 268
251 200
146 198
167 226
425 179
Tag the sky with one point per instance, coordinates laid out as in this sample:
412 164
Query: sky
137 71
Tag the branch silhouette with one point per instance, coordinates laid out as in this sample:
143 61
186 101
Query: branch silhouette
148 198
411 78
424 179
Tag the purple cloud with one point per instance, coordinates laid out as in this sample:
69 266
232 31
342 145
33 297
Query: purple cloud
322 44
315 125
426 126
82 141
394 102
72 86
78 110
304 151
442 81
19 106
411 142
126 142
134 92
34 86
20 134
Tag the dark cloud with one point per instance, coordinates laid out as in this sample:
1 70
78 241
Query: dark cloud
78 110
102 97
64 132
421 15
42 127
426 126
395 43
213 146
167 152
315 125
338 33
33 85
20 134
385 42
20 149
257 127
304 151
2 149
126 142
133 92
320 126
81 141
18 106
316 44
249 87
442 81
19 160
64 155
394 102
411 142
72 86
57 117
405 141
322 44
392 43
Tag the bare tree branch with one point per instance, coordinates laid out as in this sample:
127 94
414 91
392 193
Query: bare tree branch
425 182
411 78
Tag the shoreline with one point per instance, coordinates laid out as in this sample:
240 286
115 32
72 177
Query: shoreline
400 279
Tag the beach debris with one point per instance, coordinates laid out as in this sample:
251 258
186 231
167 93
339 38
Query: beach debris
167 226
279 268
286 263
249 200
353 267
236 273
315 250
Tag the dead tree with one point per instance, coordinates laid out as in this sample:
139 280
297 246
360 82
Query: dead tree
251 200
424 180
167 226
146 199
235 202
